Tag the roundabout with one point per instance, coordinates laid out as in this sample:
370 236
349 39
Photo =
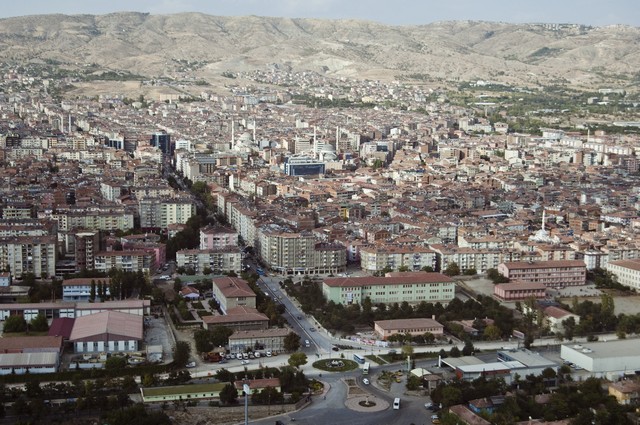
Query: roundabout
335 365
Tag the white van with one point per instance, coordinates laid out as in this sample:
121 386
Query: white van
396 403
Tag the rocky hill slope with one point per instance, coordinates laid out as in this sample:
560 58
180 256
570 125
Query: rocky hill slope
160 45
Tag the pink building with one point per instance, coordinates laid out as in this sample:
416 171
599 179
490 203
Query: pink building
415 327
549 273
213 237
519 291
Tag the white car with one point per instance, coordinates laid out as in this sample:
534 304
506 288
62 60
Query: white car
239 356
365 381
257 354
268 353
244 362
191 364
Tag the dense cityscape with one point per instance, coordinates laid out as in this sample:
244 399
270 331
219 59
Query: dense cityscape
354 250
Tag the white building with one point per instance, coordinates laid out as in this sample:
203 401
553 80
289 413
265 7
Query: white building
610 359
627 272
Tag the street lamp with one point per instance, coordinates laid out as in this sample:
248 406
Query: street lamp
246 389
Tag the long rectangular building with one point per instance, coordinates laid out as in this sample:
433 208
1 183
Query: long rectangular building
550 273
412 287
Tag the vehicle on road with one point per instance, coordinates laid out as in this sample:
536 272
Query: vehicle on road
435 417
307 343
312 329
365 381
396 403
428 405
190 364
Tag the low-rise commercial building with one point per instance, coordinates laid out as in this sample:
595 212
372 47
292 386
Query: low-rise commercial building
238 318
415 327
108 331
259 339
608 359
515 291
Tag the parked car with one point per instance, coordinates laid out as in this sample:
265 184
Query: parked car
256 354
191 364
268 353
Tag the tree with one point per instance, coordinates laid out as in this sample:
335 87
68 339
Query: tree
228 394
496 276
92 291
491 333
468 348
452 269
181 353
15 323
428 269
455 352
407 351
292 341
39 323
115 363
297 359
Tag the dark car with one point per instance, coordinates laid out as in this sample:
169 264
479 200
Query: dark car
334 348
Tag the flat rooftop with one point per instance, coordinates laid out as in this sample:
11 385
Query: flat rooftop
606 349
526 357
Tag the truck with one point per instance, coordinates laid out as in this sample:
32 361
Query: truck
211 356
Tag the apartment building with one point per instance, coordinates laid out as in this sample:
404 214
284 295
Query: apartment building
468 258
130 261
160 212
626 271
29 254
118 219
219 260
550 273
214 237
299 252
396 287
376 258
85 246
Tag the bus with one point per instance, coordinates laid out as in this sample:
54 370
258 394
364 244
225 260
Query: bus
358 358
365 369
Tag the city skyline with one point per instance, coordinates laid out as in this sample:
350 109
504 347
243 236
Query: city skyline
404 12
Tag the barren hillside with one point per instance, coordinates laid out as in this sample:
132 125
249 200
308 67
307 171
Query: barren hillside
160 45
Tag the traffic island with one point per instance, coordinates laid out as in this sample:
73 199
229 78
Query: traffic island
362 401
335 365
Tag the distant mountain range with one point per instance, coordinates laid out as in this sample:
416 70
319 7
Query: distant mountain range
156 45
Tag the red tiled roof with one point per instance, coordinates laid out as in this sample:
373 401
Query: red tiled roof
61 326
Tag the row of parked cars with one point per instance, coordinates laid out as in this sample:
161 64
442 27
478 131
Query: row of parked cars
251 355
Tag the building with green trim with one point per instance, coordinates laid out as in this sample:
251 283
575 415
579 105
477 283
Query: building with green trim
395 287
181 392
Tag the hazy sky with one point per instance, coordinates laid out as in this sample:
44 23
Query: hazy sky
395 12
